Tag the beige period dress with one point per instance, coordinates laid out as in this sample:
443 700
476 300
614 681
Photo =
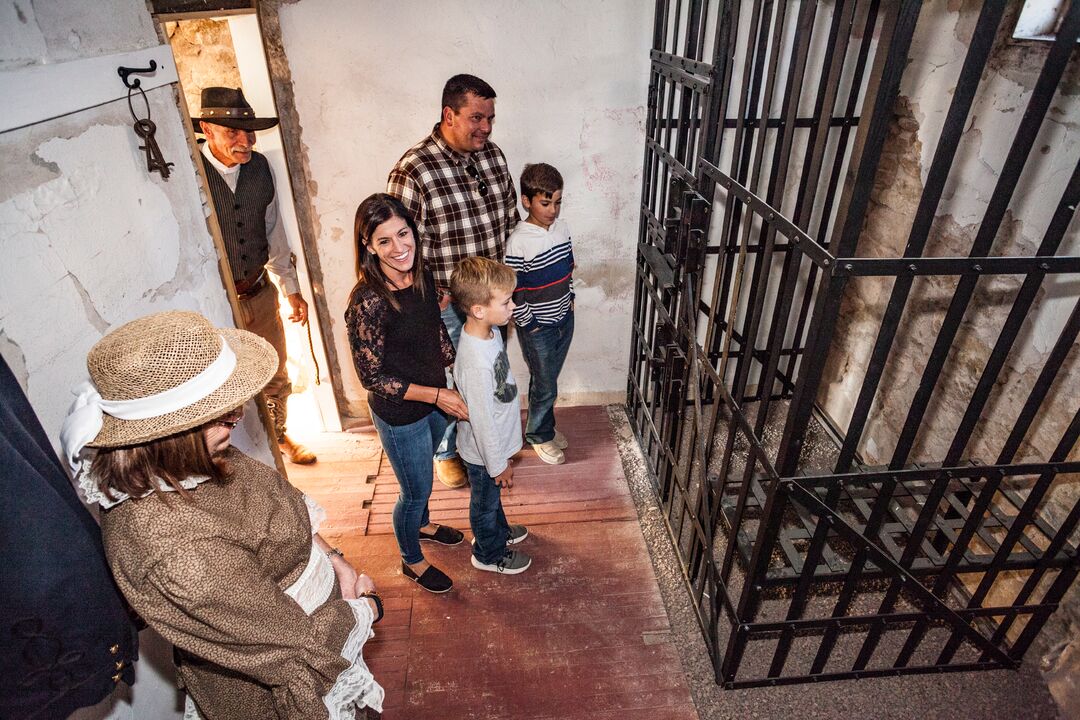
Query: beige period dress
232 579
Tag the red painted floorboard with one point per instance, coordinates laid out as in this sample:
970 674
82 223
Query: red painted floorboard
582 634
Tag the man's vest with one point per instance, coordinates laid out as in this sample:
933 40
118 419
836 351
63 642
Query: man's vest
242 215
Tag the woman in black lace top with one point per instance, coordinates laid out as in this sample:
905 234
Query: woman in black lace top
400 348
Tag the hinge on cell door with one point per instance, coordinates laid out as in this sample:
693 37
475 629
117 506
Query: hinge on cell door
674 367
695 252
672 229
690 249
662 339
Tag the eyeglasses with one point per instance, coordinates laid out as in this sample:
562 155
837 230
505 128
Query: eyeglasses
481 186
229 421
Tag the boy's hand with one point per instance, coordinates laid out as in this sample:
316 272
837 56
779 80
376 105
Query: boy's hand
505 479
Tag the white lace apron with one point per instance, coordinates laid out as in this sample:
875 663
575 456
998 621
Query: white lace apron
355 687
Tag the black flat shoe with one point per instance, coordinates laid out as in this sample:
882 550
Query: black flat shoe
433 580
443 535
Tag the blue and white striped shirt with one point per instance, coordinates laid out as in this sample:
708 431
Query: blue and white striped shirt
544 263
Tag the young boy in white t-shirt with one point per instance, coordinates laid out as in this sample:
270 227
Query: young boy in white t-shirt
482 289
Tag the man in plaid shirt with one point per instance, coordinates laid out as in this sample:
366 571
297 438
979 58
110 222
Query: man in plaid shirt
458 189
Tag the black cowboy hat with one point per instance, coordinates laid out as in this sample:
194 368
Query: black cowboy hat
227 106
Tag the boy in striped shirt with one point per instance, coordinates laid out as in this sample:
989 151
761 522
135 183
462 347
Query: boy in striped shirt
540 252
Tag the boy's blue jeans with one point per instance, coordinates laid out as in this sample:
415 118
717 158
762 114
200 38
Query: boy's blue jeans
454 320
409 449
545 349
489 526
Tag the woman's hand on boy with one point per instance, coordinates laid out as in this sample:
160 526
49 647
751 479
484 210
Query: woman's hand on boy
451 403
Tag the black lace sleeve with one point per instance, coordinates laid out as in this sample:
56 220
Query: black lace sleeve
447 347
366 319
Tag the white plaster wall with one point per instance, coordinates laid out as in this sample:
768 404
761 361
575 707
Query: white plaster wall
90 240
571 79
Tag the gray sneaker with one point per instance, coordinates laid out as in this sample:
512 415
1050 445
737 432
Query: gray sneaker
512 563
517 534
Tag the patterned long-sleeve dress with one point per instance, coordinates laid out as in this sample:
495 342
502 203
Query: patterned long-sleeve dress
232 578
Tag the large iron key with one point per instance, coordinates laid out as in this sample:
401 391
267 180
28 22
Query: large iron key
155 161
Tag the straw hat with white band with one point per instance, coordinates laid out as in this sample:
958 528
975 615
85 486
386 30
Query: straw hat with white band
160 375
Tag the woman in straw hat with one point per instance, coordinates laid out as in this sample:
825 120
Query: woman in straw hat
401 350
216 551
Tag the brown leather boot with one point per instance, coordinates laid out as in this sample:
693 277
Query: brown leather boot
451 473
295 452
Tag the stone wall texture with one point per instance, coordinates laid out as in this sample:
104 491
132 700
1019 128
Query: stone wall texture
941 41
204 55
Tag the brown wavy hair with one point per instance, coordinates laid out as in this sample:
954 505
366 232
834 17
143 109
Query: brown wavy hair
135 469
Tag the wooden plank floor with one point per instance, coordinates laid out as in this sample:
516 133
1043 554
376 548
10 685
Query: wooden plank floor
582 634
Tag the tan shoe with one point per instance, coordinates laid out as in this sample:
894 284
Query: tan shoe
295 452
451 473
549 452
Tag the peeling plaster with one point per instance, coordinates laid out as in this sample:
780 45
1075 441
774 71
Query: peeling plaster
608 277
92 315
82 254
52 167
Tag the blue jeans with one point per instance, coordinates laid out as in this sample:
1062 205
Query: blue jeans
486 517
454 320
544 348
409 449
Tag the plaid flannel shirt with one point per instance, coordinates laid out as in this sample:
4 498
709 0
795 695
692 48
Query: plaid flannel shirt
455 221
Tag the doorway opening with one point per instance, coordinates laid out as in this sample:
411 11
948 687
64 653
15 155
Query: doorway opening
227 50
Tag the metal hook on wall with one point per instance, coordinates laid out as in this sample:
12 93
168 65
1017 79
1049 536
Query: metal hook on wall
123 72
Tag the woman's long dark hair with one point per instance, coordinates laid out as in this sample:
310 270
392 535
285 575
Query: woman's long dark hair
373 212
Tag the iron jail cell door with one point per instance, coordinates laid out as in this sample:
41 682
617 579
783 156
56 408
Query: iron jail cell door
805 559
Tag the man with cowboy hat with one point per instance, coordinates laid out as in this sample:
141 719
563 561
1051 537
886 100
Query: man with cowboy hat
242 185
